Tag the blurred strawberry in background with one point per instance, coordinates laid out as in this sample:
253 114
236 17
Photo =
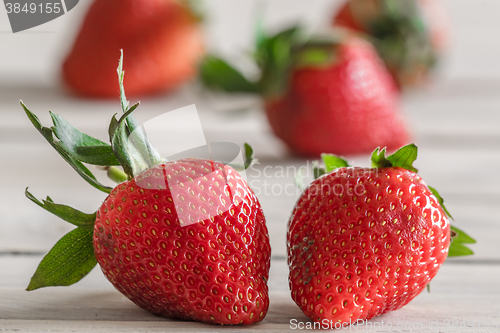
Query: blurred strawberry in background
340 99
162 40
410 35
324 94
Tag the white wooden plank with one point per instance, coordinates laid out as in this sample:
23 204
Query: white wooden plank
93 305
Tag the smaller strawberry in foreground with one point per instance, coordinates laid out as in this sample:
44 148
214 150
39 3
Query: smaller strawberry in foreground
365 241
183 239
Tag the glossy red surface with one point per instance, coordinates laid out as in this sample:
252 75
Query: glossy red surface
212 269
363 242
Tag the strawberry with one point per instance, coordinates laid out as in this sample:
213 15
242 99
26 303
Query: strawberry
162 39
327 94
410 35
213 271
348 105
365 241
183 239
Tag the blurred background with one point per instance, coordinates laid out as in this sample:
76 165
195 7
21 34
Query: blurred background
453 119
36 54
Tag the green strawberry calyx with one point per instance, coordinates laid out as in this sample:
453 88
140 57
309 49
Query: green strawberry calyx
128 154
403 158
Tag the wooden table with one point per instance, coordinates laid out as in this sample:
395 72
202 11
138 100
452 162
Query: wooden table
459 157
455 124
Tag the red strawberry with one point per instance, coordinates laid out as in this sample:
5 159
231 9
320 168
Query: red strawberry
409 34
162 39
347 106
214 270
184 239
329 93
365 241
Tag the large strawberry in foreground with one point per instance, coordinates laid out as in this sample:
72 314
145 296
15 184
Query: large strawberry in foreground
162 40
410 35
184 239
329 93
365 241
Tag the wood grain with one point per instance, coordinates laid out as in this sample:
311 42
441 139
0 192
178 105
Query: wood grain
455 122
93 304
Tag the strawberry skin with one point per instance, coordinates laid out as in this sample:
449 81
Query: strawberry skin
349 106
162 40
362 242
151 247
